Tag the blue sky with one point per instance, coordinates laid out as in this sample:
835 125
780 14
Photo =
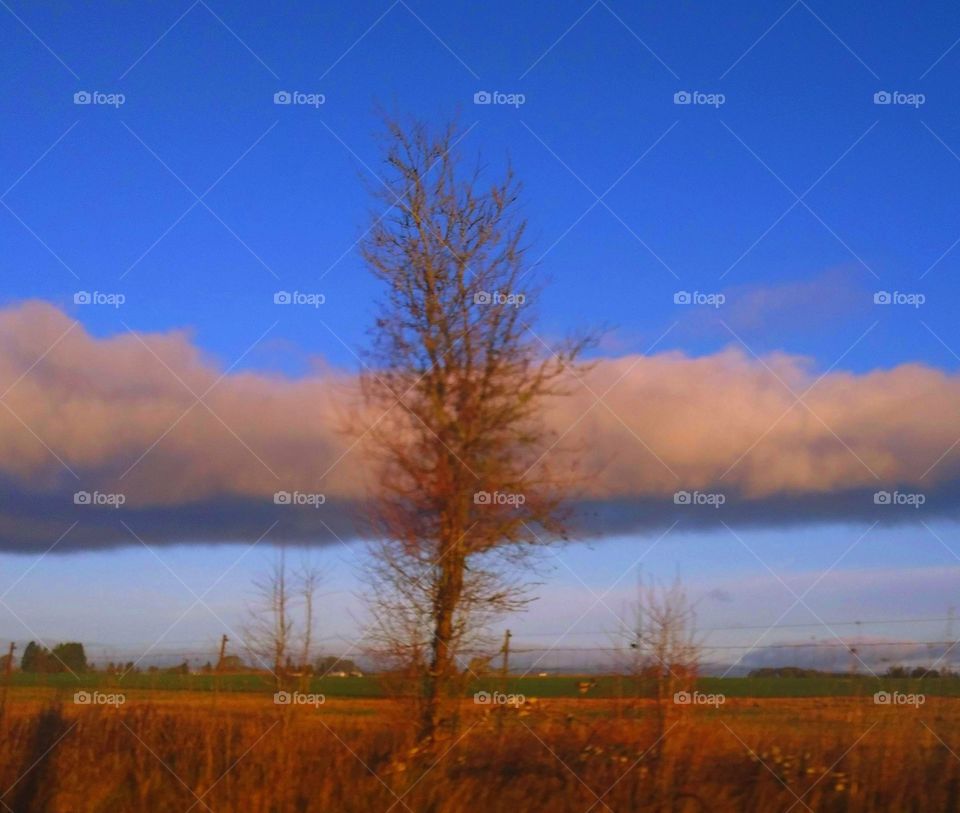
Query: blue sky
125 602
598 99
701 200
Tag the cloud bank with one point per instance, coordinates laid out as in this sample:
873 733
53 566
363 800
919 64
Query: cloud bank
198 452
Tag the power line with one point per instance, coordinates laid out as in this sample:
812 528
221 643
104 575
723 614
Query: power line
198 646
746 627
807 645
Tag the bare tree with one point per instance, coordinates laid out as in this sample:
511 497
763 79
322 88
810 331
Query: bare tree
269 634
309 578
456 382
664 648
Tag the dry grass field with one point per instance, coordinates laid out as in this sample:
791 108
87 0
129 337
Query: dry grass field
197 752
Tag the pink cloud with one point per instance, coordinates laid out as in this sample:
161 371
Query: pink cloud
724 422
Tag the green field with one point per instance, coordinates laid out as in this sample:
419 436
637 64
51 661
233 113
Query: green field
369 686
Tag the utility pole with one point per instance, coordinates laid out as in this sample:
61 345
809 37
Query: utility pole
504 672
223 651
854 649
7 671
951 612
505 666
219 667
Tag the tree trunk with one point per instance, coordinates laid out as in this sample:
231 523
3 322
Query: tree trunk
442 665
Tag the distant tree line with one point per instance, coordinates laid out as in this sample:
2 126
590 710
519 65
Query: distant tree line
792 672
68 657
892 672
71 657
917 672
325 664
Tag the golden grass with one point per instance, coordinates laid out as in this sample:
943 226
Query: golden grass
178 751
